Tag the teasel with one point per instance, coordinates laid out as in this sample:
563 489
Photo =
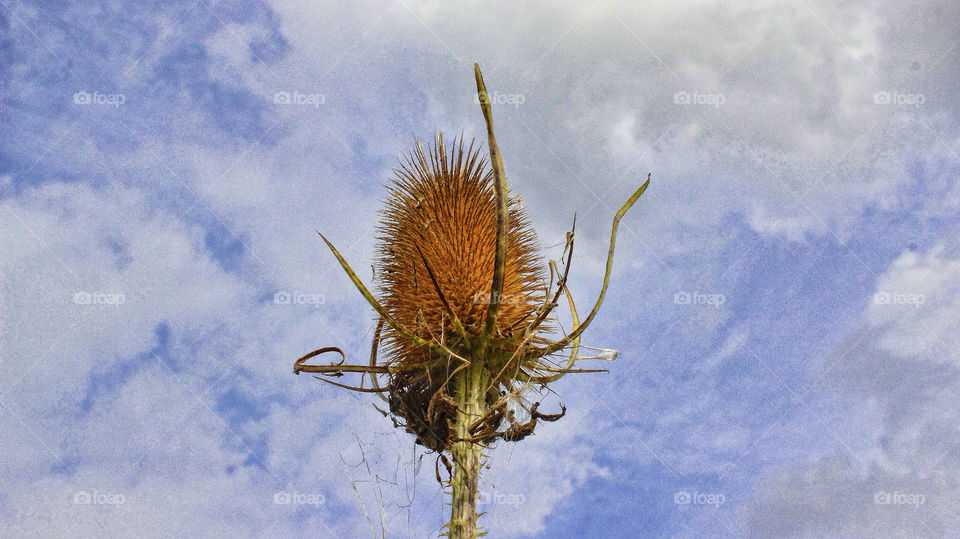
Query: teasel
464 311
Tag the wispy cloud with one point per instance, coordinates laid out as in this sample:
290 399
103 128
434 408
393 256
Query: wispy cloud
783 298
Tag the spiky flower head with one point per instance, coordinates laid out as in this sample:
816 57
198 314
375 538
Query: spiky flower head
465 309
435 257
437 243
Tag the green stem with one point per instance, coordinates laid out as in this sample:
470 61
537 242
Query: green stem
469 388
503 216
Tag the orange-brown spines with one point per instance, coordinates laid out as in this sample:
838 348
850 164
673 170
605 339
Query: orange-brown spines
441 210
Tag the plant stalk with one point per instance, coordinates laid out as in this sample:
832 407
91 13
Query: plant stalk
469 389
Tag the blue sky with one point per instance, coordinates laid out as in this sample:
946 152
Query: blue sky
784 300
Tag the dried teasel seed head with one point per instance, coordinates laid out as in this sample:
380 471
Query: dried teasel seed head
436 250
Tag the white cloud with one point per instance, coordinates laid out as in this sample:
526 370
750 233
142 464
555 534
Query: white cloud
528 479
599 81
906 483
65 239
153 436
918 304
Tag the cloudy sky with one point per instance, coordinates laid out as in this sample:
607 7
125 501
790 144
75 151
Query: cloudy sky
785 299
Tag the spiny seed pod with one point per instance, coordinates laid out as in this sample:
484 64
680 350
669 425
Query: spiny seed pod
436 250
435 258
